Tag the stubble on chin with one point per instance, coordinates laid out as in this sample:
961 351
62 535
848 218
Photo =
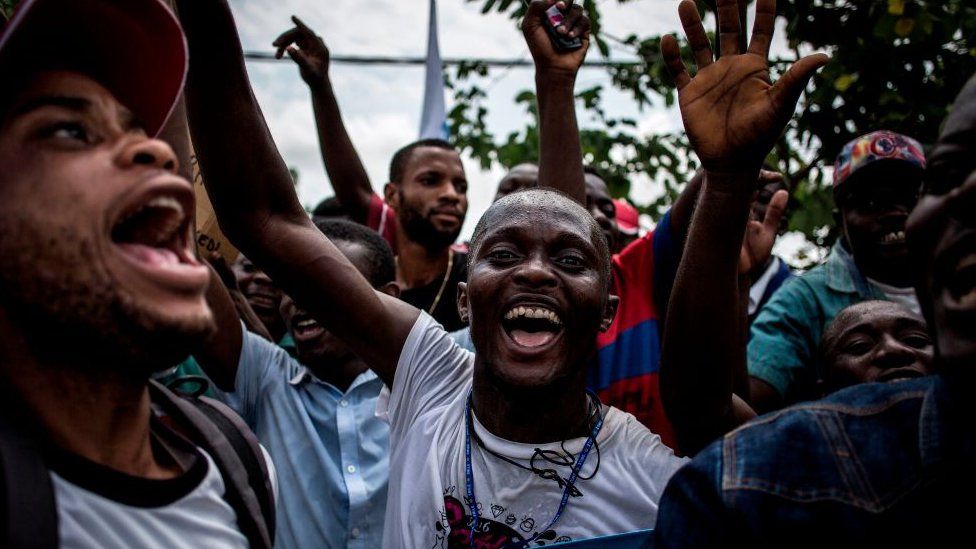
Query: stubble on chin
59 293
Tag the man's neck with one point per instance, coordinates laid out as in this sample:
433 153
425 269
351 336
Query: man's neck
538 418
100 419
86 409
417 266
340 374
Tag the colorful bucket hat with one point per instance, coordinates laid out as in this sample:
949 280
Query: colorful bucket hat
874 147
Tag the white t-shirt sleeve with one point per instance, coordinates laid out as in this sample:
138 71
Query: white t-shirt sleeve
431 372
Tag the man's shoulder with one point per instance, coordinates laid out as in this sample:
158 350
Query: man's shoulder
830 449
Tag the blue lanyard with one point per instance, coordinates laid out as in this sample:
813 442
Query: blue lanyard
570 483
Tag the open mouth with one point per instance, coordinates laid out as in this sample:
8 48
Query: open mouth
305 328
154 235
894 237
532 327
962 282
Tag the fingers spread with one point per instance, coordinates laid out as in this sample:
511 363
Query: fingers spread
786 92
695 31
672 60
728 26
762 29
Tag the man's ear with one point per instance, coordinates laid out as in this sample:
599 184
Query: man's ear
391 195
391 289
609 312
462 302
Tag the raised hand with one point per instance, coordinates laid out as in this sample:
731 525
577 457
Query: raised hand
311 55
760 236
575 24
732 111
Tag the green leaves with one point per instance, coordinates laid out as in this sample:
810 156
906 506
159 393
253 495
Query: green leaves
896 64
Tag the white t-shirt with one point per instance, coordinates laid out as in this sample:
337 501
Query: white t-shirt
903 296
426 505
102 508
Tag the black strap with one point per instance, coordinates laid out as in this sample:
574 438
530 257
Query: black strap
29 515
245 486
245 443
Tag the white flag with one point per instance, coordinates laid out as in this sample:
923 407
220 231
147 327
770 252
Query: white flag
433 120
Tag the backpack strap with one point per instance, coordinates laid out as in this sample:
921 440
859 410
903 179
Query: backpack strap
238 456
29 515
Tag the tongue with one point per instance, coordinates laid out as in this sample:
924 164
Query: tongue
532 339
157 257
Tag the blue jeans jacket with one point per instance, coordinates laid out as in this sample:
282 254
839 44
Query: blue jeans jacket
876 465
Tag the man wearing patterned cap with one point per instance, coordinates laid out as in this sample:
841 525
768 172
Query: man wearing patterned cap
877 178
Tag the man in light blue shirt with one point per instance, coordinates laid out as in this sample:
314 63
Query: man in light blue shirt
316 415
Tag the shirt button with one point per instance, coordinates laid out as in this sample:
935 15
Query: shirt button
355 532
351 468
343 403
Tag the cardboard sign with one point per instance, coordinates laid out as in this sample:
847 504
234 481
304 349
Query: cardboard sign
209 237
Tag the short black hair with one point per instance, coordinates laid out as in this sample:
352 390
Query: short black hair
379 256
330 207
400 158
554 197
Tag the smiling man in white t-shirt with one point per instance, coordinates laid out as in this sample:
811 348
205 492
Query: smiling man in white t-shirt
504 445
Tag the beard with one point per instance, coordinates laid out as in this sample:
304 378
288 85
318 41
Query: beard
421 229
70 309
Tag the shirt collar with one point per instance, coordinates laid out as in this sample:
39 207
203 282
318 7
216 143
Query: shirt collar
304 375
842 273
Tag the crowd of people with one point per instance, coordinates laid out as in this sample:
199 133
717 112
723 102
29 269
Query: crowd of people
360 378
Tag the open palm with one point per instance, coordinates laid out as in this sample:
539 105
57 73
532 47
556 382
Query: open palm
732 111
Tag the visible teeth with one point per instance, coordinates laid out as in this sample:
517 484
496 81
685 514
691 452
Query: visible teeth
166 202
897 236
533 312
306 323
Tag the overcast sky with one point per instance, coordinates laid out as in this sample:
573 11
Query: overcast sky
381 104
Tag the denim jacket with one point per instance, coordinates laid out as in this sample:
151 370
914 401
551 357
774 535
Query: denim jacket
876 464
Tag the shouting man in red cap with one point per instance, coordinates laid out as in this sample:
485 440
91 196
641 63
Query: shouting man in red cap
99 290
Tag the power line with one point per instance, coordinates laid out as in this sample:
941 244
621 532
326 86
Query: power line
388 60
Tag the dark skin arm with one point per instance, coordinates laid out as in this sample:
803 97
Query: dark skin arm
560 153
255 200
346 171
220 355
733 114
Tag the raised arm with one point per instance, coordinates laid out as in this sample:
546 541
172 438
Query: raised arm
346 171
560 153
733 114
255 200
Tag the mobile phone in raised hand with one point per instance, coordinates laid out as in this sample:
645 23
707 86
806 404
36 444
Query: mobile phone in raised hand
554 19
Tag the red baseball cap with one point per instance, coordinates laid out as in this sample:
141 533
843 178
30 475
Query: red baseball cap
135 48
628 218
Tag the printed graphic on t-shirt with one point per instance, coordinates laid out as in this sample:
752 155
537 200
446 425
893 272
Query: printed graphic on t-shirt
497 527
